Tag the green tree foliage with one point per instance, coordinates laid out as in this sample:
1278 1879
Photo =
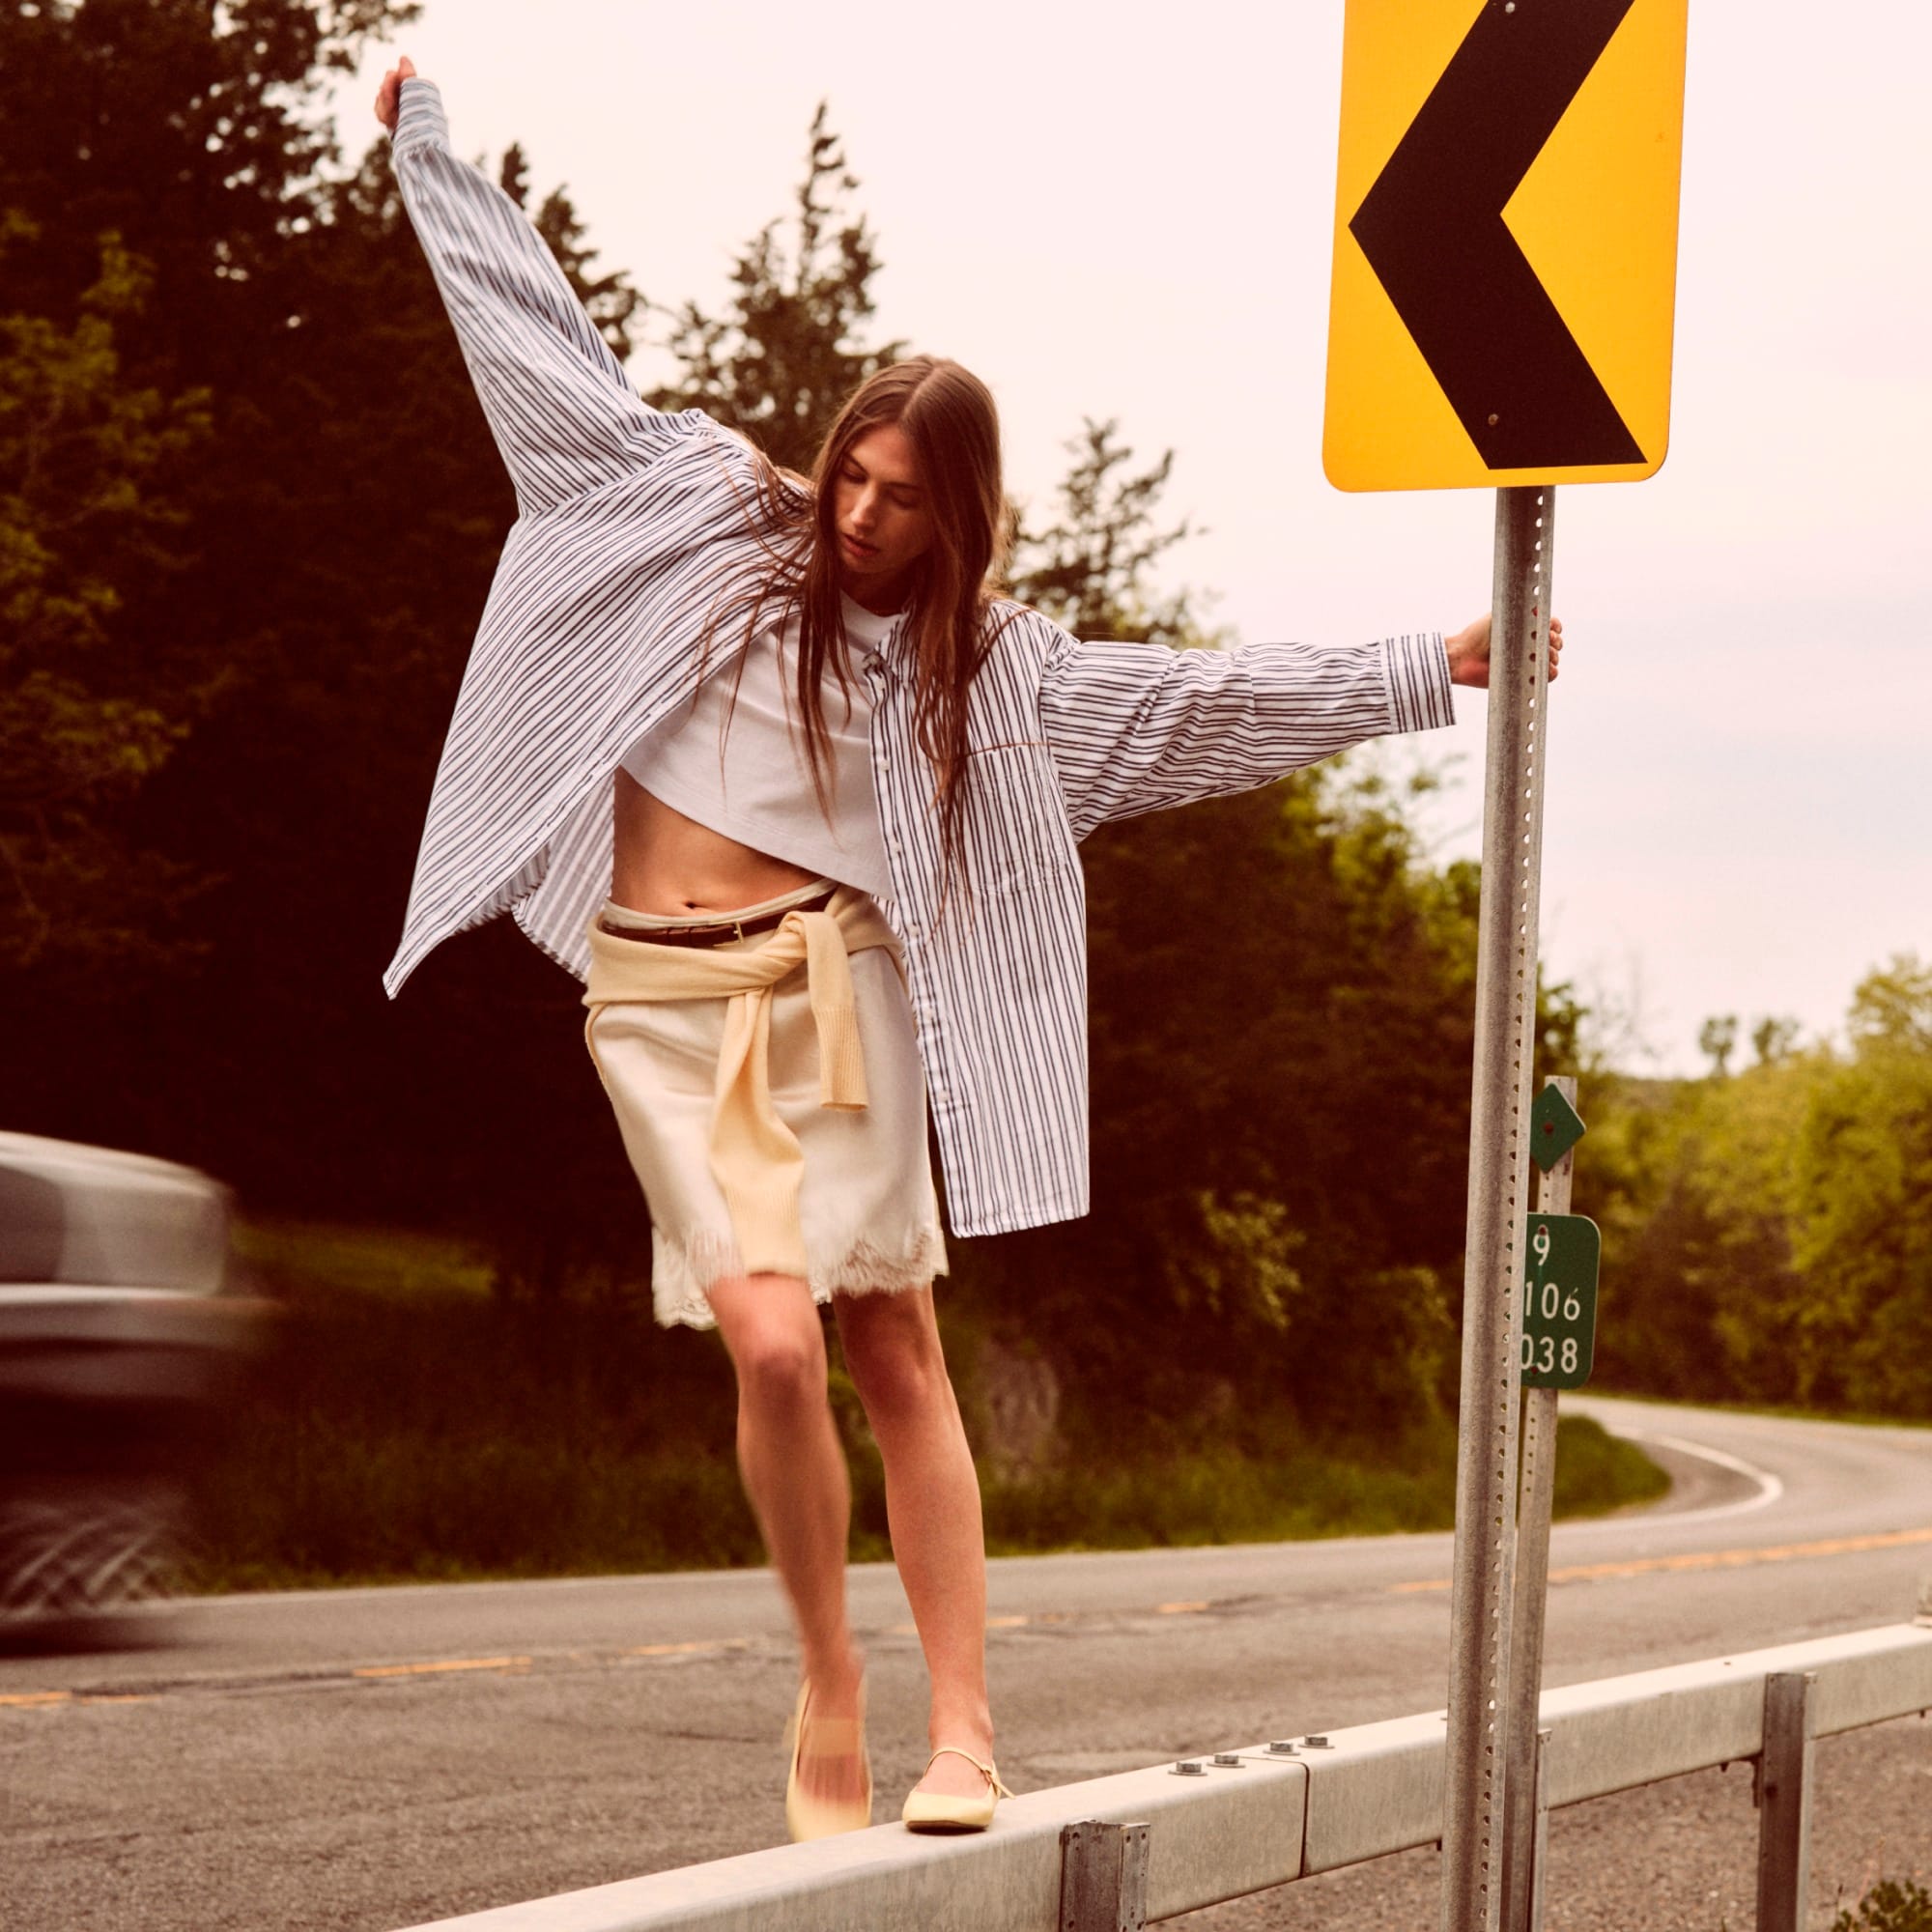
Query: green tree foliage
1089 569
609 301
1769 1237
190 135
1892 1005
90 479
1280 987
1251 1191
1774 1038
193 130
343 517
1893 1905
1860 1213
1718 1037
1280 1047
787 350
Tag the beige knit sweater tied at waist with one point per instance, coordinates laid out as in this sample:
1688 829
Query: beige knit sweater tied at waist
755 1158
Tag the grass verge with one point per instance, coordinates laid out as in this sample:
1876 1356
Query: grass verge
1286 1488
412 1428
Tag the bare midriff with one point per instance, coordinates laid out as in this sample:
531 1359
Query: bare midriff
666 864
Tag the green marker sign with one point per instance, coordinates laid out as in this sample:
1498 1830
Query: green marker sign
1560 1308
1555 1126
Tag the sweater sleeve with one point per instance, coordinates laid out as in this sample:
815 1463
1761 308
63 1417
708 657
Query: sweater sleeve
1137 727
564 416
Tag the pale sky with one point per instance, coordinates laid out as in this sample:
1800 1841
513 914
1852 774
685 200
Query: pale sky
1123 210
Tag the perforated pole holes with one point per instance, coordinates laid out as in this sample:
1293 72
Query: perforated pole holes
1505 1044
1524 1829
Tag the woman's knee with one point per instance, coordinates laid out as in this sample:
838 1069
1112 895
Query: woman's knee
893 1350
775 1341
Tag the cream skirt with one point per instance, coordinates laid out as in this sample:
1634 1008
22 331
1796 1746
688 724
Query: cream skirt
867 1214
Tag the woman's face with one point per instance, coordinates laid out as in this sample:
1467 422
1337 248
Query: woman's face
881 513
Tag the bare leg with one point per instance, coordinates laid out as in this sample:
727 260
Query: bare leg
794 1472
933 1501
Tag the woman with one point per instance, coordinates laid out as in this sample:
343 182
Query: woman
769 766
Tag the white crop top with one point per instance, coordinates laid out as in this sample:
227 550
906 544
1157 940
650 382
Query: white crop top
734 758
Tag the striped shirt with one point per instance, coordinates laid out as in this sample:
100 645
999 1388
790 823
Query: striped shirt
635 529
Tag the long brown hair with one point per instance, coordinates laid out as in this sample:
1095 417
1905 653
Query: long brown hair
949 417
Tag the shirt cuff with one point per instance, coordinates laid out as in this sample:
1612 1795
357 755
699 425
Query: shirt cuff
1421 696
419 122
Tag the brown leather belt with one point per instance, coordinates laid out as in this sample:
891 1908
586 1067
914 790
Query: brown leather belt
722 933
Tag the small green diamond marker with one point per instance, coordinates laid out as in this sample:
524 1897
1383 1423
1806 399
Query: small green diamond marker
1555 1126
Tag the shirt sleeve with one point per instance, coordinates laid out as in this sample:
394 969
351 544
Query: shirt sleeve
1137 727
559 405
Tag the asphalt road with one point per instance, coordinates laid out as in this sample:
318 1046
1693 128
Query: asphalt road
361 1760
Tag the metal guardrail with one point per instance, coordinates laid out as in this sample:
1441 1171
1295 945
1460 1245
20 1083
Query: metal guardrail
1258 1817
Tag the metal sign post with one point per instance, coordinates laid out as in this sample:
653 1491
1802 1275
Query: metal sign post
1521 1839
1485 1462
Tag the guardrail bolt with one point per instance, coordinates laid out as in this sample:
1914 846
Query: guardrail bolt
1190 1766
1317 1741
1229 1758
1283 1747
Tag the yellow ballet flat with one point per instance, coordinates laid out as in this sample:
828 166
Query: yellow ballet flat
807 1815
940 1812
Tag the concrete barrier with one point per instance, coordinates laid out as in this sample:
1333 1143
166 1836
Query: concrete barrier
1258 1819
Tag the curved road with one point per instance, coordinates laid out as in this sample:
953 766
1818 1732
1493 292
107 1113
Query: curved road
370 1759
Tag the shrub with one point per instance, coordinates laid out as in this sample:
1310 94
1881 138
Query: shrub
1893 1905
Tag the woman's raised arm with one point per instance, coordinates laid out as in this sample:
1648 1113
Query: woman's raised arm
1138 728
563 413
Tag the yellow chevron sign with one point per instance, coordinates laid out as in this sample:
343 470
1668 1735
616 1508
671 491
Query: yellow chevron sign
1505 243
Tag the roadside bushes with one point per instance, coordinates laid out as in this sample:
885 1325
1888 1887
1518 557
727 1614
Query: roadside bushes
442 1434
1893 1905
1768 1235
405 1424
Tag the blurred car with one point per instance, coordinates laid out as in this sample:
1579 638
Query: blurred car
122 1336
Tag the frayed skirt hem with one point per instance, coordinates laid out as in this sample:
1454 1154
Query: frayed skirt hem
682 1273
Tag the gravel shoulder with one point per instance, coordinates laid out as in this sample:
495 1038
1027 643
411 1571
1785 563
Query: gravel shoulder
1680 1855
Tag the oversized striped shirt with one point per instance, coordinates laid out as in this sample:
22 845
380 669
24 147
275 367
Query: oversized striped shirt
635 529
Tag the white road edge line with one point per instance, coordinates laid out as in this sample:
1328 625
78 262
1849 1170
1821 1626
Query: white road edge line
1769 1487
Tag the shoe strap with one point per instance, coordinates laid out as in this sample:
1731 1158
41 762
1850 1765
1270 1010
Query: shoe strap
986 1771
831 1737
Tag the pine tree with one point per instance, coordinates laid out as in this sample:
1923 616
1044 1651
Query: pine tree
609 301
1091 569
781 357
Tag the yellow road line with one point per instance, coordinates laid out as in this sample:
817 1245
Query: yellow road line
442 1664
696 1648
700 1647
1707 1559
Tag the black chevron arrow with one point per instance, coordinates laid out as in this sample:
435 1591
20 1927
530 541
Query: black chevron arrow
1433 230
